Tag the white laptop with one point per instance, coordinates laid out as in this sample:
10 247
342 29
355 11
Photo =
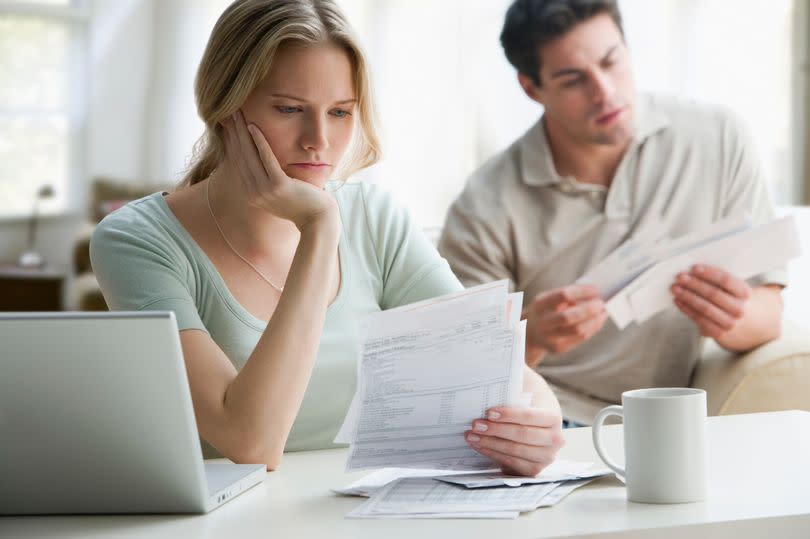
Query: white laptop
96 417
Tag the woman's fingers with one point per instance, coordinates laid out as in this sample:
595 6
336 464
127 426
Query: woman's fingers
247 147
521 439
515 464
268 158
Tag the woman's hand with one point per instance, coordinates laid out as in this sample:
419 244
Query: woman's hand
523 441
267 186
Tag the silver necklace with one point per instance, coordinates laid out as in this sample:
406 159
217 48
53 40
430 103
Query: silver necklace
280 289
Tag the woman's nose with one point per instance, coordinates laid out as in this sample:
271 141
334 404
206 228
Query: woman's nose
314 136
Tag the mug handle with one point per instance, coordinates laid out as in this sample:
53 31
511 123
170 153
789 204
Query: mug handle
597 440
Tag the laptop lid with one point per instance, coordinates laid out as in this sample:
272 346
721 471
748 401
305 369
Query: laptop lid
96 416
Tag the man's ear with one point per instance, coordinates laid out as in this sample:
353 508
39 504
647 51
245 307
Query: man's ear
530 88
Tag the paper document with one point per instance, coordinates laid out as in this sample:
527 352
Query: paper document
371 483
744 253
557 472
407 493
640 253
423 495
428 370
635 279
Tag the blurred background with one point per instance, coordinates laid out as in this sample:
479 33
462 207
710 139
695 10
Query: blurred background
96 101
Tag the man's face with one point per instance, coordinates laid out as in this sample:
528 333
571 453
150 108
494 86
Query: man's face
586 84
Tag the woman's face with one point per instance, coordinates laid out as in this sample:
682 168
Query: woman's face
305 107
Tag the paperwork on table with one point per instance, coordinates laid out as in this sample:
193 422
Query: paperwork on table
425 497
426 371
636 277
561 470
558 471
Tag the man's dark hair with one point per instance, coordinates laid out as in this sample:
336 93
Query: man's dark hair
530 24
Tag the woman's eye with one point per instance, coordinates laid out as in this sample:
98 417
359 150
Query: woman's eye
287 110
340 113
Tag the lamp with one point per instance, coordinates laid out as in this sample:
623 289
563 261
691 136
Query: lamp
30 258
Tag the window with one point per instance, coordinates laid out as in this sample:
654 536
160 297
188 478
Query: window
41 102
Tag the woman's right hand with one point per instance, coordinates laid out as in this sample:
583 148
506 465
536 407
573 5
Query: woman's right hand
265 183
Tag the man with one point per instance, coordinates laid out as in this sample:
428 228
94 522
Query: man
599 167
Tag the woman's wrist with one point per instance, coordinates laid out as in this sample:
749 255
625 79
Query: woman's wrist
323 224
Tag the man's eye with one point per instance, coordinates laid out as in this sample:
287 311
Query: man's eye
572 82
287 110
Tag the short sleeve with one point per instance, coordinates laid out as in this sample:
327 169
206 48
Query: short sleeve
410 266
472 246
139 271
746 191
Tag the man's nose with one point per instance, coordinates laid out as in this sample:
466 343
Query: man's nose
601 87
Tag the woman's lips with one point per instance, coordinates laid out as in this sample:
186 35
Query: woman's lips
310 166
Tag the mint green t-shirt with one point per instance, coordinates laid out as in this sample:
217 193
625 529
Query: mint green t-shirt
145 260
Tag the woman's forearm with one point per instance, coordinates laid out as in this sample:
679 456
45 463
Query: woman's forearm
262 402
542 396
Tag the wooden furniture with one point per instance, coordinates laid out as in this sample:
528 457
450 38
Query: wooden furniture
759 486
30 289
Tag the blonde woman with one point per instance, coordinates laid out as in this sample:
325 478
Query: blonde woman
266 265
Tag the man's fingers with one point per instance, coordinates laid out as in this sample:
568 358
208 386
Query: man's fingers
703 307
572 316
569 294
707 327
731 304
722 279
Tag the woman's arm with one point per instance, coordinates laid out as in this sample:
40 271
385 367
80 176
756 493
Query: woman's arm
542 396
248 415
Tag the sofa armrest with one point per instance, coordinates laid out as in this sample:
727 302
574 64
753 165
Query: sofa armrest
775 376
81 250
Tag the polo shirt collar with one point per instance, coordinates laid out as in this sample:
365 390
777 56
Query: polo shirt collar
649 119
537 164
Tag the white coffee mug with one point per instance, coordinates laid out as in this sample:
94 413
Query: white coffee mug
664 444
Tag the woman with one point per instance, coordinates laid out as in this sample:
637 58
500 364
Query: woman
267 270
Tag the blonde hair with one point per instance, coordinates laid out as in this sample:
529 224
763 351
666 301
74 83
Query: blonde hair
238 57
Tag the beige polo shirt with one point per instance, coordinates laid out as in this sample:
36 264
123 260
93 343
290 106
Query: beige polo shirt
687 166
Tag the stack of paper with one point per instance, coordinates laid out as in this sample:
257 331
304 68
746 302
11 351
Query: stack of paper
468 496
635 279
427 370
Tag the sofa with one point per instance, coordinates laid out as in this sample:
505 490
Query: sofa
775 376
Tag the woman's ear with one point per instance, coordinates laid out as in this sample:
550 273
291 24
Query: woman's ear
226 121
530 88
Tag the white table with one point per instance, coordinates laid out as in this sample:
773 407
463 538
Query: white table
759 487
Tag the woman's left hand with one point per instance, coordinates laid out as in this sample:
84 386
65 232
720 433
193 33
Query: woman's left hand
523 441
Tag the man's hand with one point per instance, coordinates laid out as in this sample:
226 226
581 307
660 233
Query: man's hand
713 298
560 319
